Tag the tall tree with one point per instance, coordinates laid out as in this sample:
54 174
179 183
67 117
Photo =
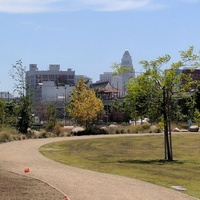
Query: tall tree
84 105
18 73
159 88
170 83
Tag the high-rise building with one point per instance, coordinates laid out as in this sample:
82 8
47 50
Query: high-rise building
126 62
119 81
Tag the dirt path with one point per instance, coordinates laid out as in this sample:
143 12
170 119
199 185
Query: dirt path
77 183
17 187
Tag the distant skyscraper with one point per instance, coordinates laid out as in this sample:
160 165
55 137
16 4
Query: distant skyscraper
126 62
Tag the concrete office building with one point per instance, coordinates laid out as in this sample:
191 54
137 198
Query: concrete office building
35 76
52 84
57 78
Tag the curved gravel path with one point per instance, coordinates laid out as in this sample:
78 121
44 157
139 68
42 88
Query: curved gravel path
77 183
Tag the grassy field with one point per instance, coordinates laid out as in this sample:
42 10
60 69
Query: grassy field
139 157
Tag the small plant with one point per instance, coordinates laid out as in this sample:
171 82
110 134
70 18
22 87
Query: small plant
122 131
5 137
160 127
145 126
117 131
137 128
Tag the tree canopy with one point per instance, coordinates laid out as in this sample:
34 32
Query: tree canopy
153 94
24 105
84 106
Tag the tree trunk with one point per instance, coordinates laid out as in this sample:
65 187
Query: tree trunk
167 146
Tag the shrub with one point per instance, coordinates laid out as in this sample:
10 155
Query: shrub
117 131
137 128
5 137
45 134
145 126
122 131
57 129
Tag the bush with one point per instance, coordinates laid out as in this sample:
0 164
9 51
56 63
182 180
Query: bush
137 129
5 137
145 126
117 131
45 134
93 131
8 134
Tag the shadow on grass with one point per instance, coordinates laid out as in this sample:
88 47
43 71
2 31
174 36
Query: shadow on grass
156 161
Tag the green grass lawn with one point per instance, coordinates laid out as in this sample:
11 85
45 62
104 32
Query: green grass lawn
139 157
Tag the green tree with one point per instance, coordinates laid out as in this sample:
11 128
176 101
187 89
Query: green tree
170 84
160 87
24 117
197 116
117 112
141 92
197 97
2 111
51 116
84 105
11 111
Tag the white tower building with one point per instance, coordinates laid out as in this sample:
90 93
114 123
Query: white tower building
126 62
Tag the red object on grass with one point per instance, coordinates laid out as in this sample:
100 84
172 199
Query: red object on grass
26 170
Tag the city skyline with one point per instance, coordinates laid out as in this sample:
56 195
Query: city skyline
89 36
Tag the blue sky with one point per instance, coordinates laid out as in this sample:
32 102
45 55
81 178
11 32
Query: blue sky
90 35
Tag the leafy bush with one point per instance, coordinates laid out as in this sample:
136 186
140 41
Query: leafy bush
145 126
45 134
5 137
117 131
137 129
8 134
93 131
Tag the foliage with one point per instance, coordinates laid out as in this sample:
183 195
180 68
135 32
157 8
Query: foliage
144 97
117 111
84 105
8 134
169 82
2 111
51 117
197 97
18 73
120 69
197 116
153 93
24 117
145 125
11 111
